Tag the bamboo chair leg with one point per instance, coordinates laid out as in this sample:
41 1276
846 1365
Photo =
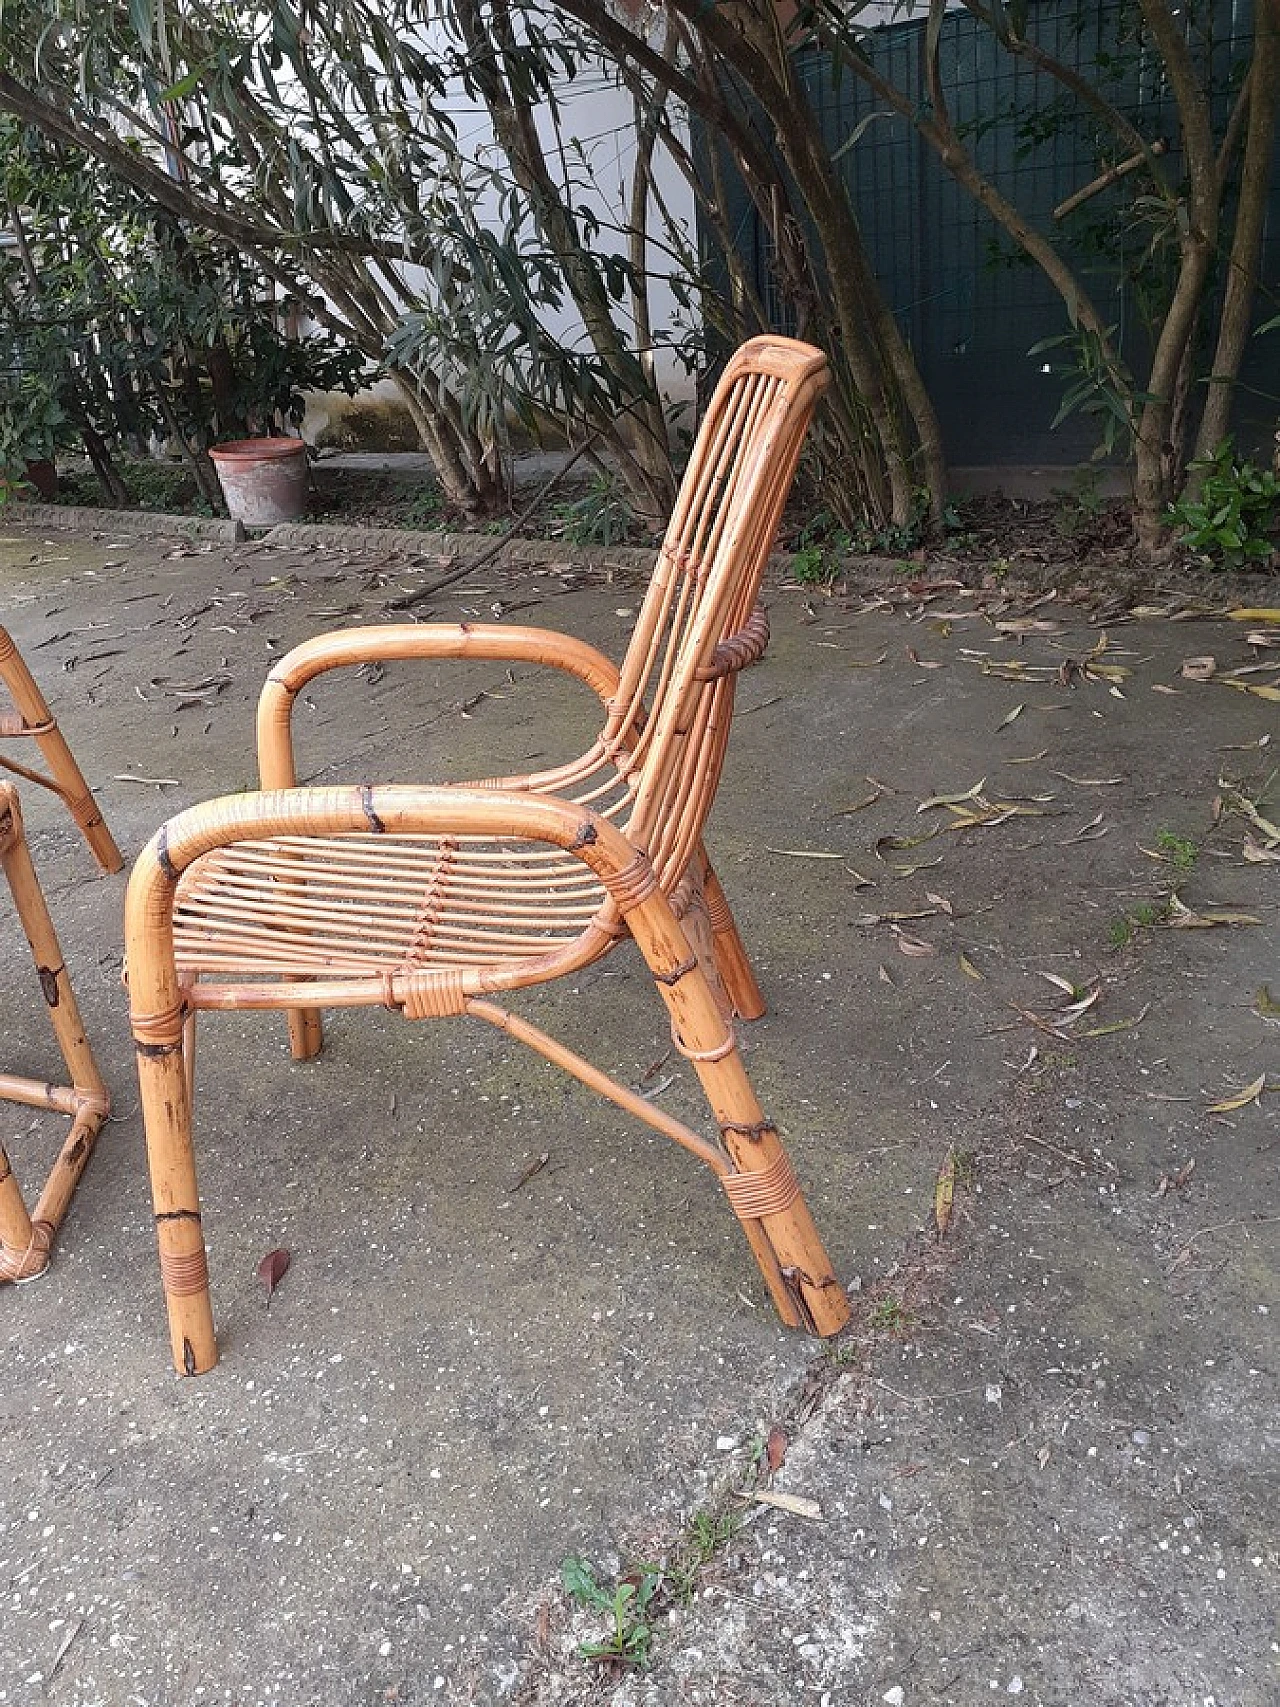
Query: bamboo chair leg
764 1192
25 1240
731 957
166 1113
306 1033
696 923
15 1224
68 779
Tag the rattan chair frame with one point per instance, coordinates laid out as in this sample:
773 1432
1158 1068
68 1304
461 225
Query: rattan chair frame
433 901
26 1239
31 719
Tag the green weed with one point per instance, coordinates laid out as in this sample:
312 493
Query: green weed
427 506
891 1316
626 1603
1181 852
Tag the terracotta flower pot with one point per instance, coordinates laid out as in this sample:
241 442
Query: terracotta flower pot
263 480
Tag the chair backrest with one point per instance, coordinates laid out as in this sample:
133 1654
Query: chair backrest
699 625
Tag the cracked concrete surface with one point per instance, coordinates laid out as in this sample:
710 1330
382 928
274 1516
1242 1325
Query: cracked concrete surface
1046 1470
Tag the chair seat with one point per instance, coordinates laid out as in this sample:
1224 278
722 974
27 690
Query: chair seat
372 905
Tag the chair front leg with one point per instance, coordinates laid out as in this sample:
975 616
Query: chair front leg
163 1067
164 1039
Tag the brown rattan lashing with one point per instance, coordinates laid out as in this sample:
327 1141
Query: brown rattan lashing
32 720
27 1238
435 901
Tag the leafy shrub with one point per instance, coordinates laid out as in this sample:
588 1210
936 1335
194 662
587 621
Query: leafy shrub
1236 518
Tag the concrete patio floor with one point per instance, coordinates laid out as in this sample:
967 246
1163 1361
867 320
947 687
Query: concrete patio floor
1045 1457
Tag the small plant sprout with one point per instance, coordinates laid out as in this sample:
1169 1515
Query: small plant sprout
626 1605
1181 852
891 1316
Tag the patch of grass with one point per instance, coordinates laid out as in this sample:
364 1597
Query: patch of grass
841 1354
891 1316
705 1535
427 506
1120 932
602 515
1144 916
814 566
1181 852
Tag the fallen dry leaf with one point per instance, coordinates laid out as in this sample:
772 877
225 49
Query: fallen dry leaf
1118 1024
1011 718
1241 1099
796 1504
944 1194
950 799
272 1269
912 946
1265 1008
775 1448
1249 687
1183 918
970 970
1093 831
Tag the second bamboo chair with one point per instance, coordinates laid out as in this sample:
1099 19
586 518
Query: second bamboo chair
432 901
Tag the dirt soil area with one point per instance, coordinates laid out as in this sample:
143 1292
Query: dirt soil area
1007 864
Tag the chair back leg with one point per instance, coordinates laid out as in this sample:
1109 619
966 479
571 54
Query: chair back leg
26 1240
66 779
735 969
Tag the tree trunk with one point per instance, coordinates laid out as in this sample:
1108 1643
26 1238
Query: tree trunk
1246 243
1152 486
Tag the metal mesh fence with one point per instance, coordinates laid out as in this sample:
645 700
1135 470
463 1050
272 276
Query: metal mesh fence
969 302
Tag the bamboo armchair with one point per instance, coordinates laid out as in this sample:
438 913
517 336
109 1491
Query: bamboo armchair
31 719
26 1239
432 901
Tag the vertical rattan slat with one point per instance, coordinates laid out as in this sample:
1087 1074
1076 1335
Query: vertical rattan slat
32 720
27 1238
302 899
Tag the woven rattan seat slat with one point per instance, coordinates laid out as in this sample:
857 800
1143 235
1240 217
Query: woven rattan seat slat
335 933
401 854
410 867
270 879
324 936
304 900
434 900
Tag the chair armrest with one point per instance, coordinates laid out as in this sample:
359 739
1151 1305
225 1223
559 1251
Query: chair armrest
395 642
